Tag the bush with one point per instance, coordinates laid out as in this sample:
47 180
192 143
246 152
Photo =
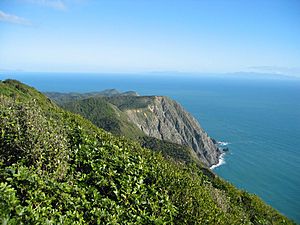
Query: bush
57 168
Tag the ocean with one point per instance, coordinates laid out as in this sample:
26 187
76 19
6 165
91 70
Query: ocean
259 118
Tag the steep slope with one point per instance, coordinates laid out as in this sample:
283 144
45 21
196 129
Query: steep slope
104 115
157 117
58 168
110 118
165 119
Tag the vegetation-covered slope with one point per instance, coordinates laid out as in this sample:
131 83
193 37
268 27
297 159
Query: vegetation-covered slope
101 112
61 98
161 119
104 115
58 168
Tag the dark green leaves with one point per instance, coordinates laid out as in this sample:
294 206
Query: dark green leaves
57 168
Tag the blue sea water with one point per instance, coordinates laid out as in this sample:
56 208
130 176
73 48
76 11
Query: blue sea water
260 118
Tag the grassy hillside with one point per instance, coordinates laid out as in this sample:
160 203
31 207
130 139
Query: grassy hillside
58 168
105 113
130 102
61 98
171 150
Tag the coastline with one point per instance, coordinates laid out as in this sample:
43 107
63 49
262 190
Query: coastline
221 161
221 145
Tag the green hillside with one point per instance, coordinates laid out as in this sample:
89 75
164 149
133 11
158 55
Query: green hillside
61 98
103 113
58 168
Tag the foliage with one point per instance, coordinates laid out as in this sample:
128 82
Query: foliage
62 98
168 149
109 117
104 115
57 168
130 102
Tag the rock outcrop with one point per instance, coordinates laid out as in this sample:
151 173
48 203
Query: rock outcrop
128 114
165 119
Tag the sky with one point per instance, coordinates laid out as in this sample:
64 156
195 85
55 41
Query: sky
150 35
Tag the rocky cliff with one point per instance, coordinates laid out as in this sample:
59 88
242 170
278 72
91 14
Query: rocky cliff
165 119
127 114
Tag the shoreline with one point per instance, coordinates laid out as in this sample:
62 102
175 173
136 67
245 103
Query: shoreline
221 161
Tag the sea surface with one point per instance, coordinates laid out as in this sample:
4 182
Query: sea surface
259 118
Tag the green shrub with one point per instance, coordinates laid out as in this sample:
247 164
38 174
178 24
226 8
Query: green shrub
57 168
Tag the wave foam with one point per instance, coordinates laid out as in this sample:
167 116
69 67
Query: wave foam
221 162
223 143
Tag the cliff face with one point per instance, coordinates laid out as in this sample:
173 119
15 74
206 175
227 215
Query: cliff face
128 114
167 120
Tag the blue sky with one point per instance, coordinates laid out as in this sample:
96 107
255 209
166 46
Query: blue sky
150 35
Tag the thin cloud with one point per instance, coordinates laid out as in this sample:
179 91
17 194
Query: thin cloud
10 18
55 4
